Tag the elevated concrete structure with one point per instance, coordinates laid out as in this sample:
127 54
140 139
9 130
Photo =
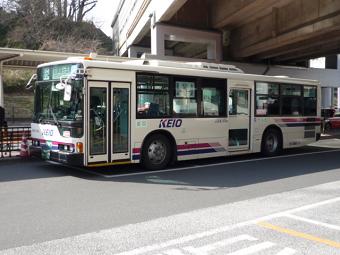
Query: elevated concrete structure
267 32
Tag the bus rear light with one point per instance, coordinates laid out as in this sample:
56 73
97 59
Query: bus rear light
80 147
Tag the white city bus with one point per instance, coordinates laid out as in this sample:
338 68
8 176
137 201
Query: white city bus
96 113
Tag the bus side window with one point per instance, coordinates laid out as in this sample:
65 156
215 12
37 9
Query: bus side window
185 97
213 100
153 97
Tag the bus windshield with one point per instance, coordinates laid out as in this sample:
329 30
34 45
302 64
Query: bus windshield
50 105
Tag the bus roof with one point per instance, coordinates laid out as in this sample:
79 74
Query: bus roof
197 69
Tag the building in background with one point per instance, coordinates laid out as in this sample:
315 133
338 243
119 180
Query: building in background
273 37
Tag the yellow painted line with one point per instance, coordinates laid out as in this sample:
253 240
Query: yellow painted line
299 234
110 164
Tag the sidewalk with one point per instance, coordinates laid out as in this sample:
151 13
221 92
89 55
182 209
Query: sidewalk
332 134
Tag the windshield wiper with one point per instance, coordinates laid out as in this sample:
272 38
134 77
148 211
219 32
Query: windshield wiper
54 117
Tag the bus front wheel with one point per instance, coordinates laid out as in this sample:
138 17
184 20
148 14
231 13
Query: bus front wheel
156 152
271 143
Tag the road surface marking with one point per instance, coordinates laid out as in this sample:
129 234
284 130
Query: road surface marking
192 237
319 223
287 251
302 235
253 249
204 250
209 165
210 248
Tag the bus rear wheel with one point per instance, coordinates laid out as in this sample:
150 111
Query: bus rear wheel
156 153
271 143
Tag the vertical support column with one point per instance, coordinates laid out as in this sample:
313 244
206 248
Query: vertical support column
157 40
214 51
2 102
326 100
338 98
132 53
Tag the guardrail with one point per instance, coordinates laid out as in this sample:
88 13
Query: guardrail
10 139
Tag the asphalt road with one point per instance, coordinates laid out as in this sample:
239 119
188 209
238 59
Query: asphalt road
240 205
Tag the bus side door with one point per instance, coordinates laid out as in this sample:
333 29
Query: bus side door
239 112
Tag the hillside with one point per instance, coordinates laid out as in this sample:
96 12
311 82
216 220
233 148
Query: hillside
22 29
51 33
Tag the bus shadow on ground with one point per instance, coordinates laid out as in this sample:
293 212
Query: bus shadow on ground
19 169
221 172
236 171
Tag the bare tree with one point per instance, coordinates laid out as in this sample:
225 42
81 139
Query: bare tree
79 8
74 10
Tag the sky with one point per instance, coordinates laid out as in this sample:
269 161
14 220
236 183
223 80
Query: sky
102 15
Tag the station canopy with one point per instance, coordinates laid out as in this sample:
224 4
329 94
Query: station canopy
22 58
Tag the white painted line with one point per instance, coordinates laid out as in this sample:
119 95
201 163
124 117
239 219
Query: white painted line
253 249
213 246
287 251
215 164
319 223
172 252
192 237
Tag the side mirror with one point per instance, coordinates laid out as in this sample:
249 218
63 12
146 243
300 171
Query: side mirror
29 84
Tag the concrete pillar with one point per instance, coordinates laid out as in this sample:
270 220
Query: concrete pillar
2 101
157 41
338 102
132 53
326 97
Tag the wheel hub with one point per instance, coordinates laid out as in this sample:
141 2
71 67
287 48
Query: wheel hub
157 152
271 143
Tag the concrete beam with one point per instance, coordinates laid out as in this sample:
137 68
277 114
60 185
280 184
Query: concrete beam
307 26
233 13
311 52
306 47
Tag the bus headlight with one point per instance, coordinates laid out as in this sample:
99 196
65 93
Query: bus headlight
80 147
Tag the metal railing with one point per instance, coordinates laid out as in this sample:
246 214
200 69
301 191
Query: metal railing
10 139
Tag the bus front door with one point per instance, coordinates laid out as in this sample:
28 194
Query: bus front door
239 119
97 122
108 122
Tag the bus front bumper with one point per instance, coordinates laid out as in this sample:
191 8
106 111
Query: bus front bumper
64 157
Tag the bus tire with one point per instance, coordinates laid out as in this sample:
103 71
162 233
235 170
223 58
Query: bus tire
156 152
271 143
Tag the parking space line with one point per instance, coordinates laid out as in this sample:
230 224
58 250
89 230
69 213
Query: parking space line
213 246
302 235
253 249
222 229
287 251
319 223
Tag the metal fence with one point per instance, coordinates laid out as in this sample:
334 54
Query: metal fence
10 139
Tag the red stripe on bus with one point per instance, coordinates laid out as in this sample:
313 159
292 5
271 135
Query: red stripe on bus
136 150
186 147
193 146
